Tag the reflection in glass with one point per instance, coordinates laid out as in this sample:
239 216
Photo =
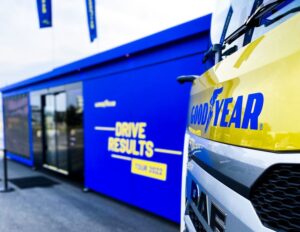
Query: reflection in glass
75 130
37 130
16 124
61 130
50 132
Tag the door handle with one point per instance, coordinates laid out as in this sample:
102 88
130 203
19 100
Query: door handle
186 78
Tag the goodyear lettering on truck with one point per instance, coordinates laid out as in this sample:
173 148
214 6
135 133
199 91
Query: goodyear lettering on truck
245 113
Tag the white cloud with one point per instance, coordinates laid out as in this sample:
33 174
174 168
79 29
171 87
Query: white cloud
26 50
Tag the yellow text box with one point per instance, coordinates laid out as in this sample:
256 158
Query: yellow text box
149 169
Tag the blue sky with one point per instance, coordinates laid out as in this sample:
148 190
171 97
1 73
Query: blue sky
26 50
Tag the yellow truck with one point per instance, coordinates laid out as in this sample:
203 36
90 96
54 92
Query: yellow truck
243 134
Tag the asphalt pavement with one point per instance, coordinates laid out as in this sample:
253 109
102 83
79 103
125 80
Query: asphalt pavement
41 202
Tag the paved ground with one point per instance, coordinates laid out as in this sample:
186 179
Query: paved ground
64 207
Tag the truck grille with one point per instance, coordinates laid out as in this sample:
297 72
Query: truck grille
276 197
196 222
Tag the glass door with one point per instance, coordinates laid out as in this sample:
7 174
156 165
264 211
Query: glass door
50 130
61 131
55 132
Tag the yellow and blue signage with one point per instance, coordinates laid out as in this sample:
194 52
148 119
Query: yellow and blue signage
45 13
91 17
250 98
242 116
134 133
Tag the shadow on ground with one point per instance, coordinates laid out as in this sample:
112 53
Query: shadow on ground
42 203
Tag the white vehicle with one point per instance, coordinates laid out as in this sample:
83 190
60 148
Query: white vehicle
243 134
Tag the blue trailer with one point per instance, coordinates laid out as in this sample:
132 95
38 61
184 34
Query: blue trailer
115 120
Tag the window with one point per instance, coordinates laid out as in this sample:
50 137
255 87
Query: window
282 13
16 124
229 16
235 24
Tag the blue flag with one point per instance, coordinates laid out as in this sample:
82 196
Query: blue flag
91 16
45 13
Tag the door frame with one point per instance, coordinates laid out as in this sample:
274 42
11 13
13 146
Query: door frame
44 136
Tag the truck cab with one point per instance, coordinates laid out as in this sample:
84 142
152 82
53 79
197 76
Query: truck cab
243 132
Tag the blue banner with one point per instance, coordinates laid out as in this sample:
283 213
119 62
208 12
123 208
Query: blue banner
91 16
45 13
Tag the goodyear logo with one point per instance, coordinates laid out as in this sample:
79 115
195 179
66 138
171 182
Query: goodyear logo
217 112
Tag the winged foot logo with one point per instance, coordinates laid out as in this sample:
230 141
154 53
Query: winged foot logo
244 114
